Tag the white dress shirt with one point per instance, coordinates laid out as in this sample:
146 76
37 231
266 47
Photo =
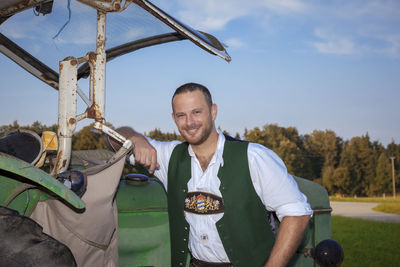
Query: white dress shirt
277 190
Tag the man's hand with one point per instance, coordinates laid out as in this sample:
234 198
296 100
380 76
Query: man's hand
143 151
287 241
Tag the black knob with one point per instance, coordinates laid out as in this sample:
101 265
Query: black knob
328 253
74 180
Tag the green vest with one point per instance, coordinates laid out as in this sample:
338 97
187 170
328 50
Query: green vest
244 229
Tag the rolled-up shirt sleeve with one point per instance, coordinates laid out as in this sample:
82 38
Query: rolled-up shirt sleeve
164 151
276 188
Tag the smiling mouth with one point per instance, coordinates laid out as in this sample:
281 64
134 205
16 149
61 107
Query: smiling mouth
192 131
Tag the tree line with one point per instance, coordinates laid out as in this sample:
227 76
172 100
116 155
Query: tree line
355 167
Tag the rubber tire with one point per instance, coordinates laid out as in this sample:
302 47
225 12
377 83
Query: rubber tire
23 243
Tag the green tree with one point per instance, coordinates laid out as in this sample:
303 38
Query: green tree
157 134
36 127
5 129
287 143
359 157
88 138
328 179
323 149
393 150
342 182
383 181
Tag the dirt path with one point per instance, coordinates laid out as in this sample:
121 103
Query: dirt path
362 210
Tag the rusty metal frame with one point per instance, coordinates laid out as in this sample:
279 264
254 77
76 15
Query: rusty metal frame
212 44
95 64
112 53
50 77
10 7
66 112
28 62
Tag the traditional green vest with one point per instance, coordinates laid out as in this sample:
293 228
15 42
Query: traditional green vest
244 229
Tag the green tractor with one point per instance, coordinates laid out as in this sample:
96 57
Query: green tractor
89 213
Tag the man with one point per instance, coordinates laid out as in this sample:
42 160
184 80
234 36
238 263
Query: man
218 189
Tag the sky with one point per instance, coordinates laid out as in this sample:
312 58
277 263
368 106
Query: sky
313 65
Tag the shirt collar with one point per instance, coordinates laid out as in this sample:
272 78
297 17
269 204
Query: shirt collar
220 149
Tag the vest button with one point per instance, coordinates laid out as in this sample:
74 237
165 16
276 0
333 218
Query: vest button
184 190
180 264
182 251
184 239
186 228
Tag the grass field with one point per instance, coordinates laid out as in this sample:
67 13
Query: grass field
367 243
388 204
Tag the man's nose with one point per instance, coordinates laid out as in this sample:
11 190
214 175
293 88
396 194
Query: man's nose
189 121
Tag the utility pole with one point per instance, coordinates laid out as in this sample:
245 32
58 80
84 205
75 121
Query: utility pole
394 184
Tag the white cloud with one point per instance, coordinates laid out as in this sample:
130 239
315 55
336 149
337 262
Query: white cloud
25 27
215 15
86 34
392 48
234 43
345 27
378 9
332 43
208 14
132 34
366 43
285 6
357 27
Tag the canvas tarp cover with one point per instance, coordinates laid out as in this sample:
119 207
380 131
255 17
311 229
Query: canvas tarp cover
91 235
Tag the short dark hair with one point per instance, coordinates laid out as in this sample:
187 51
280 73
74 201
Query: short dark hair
191 87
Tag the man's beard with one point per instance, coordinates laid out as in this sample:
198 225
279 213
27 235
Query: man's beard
206 132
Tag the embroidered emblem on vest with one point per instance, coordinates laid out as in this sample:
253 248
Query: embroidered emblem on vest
204 237
203 203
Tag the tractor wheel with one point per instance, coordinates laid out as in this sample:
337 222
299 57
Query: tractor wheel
23 243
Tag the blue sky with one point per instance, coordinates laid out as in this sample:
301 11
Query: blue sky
309 64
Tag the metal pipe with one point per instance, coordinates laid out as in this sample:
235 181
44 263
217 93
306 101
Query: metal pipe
393 178
105 6
113 134
66 112
97 63
19 6
83 97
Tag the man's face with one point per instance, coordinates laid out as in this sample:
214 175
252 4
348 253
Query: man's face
193 116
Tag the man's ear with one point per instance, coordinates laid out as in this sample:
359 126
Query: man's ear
214 111
173 116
